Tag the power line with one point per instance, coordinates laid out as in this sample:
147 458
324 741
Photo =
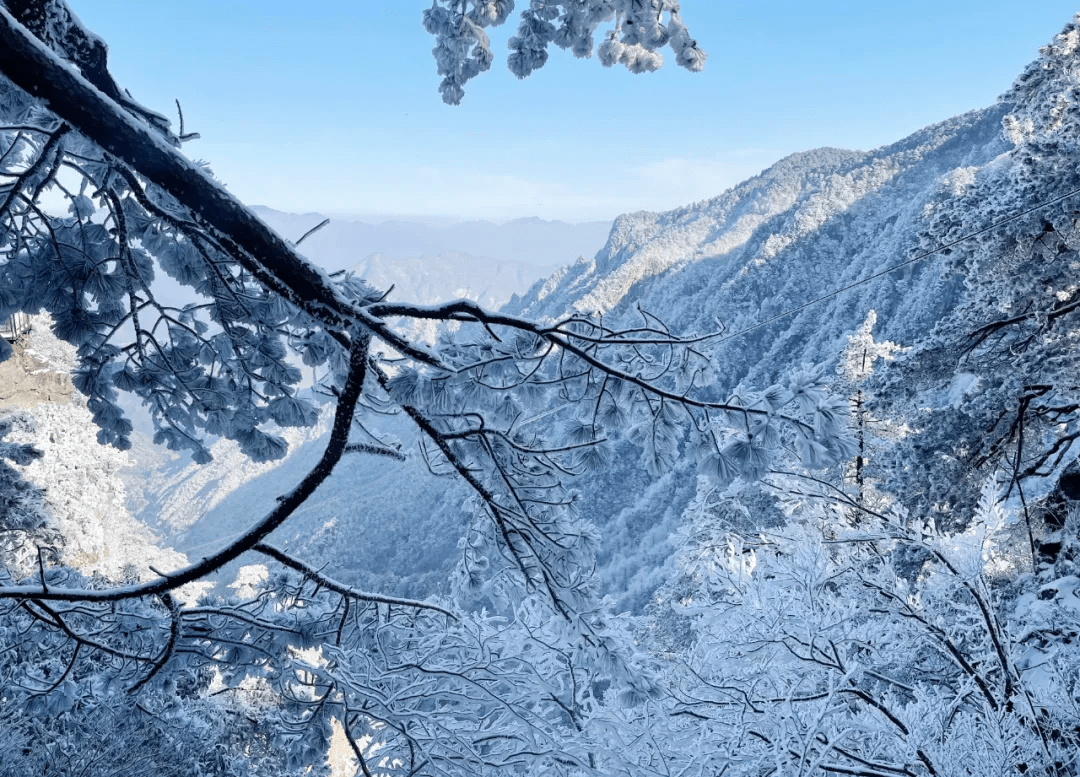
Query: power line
901 265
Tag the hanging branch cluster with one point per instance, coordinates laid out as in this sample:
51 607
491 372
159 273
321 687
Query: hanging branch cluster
640 28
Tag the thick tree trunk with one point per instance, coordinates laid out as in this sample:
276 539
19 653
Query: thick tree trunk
53 23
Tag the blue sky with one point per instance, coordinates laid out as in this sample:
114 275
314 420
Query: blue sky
332 105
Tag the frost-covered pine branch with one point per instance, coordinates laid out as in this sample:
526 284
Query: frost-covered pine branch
638 30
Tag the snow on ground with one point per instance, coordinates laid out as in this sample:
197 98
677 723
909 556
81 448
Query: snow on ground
81 478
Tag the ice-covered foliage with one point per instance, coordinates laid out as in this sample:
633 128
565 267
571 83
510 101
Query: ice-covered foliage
213 363
66 705
640 28
819 648
922 624
23 513
994 378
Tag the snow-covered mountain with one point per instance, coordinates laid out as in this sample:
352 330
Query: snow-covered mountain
978 216
787 266
814 222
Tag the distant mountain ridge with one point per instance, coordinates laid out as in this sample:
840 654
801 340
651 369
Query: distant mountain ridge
812 222
342 244
429 279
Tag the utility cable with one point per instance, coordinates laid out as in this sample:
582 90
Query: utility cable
901 265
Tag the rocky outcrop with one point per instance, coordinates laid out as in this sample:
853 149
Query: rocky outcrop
26 382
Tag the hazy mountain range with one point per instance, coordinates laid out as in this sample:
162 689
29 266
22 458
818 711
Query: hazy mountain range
342 243
424 262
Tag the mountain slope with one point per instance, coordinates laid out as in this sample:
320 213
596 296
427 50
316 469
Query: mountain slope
777 264
812 223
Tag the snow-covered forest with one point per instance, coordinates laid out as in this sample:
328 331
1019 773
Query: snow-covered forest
778 483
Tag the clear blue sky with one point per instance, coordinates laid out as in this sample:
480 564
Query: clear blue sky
331 105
